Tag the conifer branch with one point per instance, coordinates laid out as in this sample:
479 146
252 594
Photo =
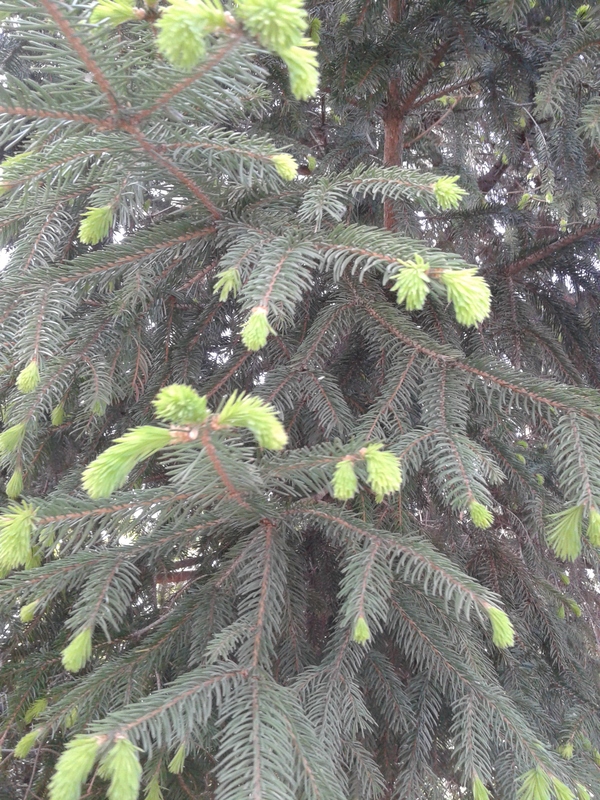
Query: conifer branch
233 38
539 255
154 153
53 10
42 113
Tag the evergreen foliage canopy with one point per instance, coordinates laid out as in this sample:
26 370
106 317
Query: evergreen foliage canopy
299 382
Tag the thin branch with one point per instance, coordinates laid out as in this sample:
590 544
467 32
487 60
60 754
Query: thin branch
174 170
65 28
205 67
533 258
43 113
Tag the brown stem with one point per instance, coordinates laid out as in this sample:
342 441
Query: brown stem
523 263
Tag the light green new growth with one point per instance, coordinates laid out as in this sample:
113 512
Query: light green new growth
179 403
286 166
481 516
277 25
303 67
503 633
535 785
228 283
27 612
183 28
25 743
178 760
344 483
564 532
11 438
29 378
361 632
479 790
114 11
411 284
565 750
57 417
110 470
121 765
447 193
593 528
564 578
95 224
17 526
73 768
561 790
35 709
71 718
574 607
256 329
243 411
78 652
582 792
153 790
469 294
560 612
383 470
15 485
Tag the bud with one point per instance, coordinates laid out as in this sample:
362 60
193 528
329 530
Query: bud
95 224
574 607
180 404
183 28
243 411
503 634
361 632
78 652
121 765
29 378
469 294
345 482
116 12
178 760
228 282
561 790
535 784
564 532
110 470
27 612
35 709
481 516
479 790
566 750
593 528
383 470
57 417
277 25
303 68
411 284
153 789
15 485
582 792
256 329
286 166
73 768
25 743
11 438
447 193
17 526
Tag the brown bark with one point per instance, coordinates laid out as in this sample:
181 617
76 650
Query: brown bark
396 108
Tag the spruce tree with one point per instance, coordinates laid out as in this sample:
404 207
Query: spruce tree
299 388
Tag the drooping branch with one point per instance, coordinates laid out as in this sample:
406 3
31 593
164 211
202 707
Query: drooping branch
533 258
